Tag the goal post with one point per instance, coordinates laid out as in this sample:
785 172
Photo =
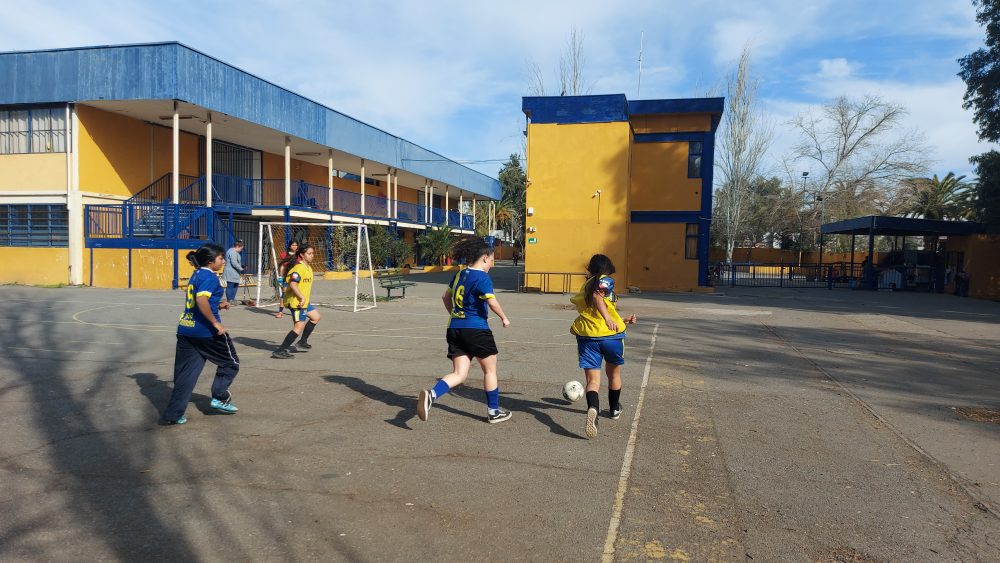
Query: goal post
338 247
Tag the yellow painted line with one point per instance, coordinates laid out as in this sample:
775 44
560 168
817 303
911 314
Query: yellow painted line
616 513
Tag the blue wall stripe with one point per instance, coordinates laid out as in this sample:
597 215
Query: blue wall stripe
667 216
671 137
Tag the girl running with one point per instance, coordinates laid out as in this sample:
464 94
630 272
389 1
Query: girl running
293 247
298 287
600 336
201 337
469 335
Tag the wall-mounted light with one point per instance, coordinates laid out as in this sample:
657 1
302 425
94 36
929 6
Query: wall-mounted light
307 153
531 211
532 229
597 194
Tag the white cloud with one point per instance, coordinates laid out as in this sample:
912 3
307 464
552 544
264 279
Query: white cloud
834 69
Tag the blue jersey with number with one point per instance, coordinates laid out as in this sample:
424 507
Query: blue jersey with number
204 282
469 291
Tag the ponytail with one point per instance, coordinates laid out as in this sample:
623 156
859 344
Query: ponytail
600 265
205 255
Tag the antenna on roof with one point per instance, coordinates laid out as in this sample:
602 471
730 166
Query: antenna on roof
642 35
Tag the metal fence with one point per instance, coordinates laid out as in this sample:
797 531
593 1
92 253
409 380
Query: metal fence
747 274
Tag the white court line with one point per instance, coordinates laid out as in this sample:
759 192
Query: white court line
616 514
48 350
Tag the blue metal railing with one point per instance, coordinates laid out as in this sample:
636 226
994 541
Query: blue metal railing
437 216
376 206
310 195
161 190
468 222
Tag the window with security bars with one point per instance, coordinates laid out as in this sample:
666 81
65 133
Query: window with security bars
691 241
33 130
34 225
694 159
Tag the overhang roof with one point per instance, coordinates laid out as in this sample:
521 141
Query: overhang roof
882 225
610 107
140 78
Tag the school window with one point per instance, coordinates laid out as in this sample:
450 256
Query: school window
34 225
691 241
34 130
694 159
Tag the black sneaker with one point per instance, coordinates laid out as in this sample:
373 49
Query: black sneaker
501 415
615 412
424 402
281 354
591 427
304 345
293 349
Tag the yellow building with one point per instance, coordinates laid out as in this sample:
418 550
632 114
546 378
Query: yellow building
629 179
114 160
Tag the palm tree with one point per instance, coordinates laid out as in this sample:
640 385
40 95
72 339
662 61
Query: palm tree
933 198
436 243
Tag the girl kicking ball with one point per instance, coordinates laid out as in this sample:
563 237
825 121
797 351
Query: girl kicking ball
469 336
600 337
201 337
305 317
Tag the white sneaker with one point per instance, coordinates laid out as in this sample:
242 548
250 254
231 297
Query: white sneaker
591 423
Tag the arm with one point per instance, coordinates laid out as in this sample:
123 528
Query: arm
446 299
602 308
206 310
494 306
294 286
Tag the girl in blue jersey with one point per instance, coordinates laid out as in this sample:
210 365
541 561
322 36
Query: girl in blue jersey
201 337
468 299
600 337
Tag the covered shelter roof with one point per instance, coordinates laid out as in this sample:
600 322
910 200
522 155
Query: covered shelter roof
882 225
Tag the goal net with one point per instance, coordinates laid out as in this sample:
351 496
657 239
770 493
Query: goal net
338 247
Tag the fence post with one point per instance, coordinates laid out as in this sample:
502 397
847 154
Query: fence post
781 276
829 277
732 274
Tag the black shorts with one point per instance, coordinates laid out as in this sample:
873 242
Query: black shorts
471 342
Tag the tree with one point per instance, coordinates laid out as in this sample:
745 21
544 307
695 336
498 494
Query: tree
510 211
743 141
933 198
981 73
570 74
860 156
435 244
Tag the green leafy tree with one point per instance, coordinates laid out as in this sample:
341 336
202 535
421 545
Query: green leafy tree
435 244
934 198
400 252
510 209
981 73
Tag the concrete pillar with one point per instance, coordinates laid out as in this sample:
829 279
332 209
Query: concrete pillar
388 193
176 168
362 186
288 171
74 203
208 161
329 180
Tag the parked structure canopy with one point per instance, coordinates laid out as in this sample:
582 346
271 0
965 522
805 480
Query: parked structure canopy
881 225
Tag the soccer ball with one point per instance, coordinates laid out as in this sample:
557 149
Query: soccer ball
573 391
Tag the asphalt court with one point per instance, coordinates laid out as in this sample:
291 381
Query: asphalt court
768 423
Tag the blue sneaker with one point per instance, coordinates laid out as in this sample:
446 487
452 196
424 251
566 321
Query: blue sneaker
226 406
180 420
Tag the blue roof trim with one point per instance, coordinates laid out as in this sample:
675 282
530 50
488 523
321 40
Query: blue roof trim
173 71
575 109
681 105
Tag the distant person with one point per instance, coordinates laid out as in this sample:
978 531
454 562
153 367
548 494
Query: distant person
468 300
962 282
232 271
201 337
516 256
293 247
600 338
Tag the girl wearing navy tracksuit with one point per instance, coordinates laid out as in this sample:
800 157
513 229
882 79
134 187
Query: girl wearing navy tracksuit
201 337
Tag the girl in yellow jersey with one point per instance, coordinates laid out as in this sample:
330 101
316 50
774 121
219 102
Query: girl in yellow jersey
600 337
299 279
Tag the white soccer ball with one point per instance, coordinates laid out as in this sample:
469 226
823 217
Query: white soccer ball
573 391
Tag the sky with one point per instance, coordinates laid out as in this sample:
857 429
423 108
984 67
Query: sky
449 75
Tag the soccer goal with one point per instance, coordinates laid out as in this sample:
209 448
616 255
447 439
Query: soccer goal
338 247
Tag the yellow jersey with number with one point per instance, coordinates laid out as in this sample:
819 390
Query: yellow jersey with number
589 323
302 275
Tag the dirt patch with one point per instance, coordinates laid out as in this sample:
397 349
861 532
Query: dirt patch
979 414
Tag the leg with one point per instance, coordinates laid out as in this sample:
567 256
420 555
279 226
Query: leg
494 413
308 328
222 353
460 370
231 290
614 372
188 363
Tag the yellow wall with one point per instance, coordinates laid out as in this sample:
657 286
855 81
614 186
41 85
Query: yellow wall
981 253
31 172
34 266
659 178
671 123
566 165
151 268
120 155
656 258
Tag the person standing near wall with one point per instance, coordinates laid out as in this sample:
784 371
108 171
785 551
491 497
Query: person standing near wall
231 273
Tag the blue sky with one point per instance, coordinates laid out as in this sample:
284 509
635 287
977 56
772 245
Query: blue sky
449 75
